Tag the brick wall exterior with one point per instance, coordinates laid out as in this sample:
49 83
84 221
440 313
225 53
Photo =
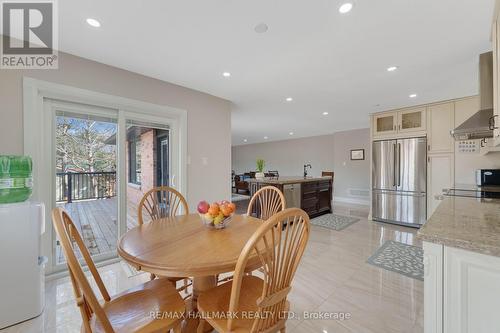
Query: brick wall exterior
148 170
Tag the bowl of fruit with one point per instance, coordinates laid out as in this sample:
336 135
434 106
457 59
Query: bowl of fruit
216 215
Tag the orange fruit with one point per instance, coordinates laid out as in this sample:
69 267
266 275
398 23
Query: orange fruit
214 209
232 206
226 210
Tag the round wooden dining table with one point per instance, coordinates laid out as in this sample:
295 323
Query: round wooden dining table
182 246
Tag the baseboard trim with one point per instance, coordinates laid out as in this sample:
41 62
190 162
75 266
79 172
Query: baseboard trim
356 201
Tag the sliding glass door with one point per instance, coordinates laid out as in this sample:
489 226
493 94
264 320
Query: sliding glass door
84 174
105 160
146 162
78 140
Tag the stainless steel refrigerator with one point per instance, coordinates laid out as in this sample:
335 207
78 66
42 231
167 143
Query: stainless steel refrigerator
399 183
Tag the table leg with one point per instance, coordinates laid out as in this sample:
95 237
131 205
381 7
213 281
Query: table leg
200 284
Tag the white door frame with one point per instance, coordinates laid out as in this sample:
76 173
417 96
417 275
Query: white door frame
38 142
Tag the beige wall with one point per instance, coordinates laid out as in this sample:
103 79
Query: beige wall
352 175
324 153
288 156
210 181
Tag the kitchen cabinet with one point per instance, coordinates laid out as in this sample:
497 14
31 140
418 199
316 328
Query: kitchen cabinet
385 123
433 287
399 122
317 197
495 41
461 290
312 194
441 120
471 291
440 175
412 120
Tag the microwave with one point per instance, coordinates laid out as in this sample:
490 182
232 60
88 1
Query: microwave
487 177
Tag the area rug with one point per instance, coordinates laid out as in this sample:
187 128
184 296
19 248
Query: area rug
239 197
334 221
129 270
400 258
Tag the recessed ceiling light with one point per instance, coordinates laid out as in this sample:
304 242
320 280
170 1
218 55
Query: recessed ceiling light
93 23
325 113
345 8
392 68
261 28
226 74
413 95
265 138
245 140
291 133
289 99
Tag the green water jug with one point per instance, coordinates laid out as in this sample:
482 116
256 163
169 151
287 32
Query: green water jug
16 181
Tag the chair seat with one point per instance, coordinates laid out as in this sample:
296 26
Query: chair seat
134 309
216 300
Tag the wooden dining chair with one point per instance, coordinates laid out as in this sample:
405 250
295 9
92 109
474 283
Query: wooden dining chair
161 202
260 305
266 202
130 311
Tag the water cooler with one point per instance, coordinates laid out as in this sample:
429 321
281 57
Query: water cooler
22 266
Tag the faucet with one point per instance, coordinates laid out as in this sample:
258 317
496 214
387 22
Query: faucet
305 169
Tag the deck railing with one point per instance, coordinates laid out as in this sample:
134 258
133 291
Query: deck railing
73 186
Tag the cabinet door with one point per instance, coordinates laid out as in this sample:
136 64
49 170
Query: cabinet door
471 292
433 287
310 198
412 120
441 122
385 123
495 37
440 175
324 197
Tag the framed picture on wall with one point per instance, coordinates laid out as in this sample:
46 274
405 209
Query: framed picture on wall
357 154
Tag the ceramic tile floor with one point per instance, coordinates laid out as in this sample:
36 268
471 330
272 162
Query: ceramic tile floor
333 279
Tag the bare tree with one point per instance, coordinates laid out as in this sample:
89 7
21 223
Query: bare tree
81 147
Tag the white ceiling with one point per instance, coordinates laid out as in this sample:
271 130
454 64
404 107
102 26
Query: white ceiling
324 60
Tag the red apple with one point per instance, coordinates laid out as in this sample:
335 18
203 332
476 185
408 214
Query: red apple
203 207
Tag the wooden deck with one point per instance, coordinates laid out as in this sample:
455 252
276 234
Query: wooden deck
97 222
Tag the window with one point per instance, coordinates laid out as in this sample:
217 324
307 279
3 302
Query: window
134 158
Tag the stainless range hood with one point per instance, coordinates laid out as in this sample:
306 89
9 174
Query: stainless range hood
480 125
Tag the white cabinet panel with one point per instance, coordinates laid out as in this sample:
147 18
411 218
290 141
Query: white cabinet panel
440 175
433 288
495 38
471 292
441 122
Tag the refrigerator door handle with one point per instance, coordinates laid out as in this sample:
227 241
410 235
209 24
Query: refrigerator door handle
394 167
399 164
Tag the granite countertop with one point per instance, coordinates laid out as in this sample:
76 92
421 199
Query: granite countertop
286 180
467 223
